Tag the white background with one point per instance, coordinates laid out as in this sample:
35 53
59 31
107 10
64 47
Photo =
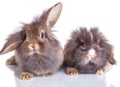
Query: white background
104 14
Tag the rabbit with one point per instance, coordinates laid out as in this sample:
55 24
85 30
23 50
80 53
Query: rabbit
87 52
37 51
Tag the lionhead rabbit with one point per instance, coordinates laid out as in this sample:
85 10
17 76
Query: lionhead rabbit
87 52
37 52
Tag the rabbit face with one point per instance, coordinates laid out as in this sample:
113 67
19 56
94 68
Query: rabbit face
35 34
90 49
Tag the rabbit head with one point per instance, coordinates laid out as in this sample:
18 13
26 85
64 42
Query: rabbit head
35 33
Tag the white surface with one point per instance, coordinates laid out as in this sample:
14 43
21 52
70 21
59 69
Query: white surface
104 14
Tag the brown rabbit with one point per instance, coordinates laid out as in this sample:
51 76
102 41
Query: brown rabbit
37 52
87 52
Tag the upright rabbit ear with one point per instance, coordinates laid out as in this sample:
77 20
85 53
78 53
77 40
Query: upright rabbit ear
51 15
12 43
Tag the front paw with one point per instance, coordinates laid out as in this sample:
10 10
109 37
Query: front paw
11 61
72 71
26 76
100 72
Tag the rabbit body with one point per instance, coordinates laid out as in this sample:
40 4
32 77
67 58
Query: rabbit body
37 51
88 51
49 59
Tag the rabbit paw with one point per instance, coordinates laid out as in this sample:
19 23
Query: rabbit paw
100 72
11 61
46 74
72 71
26 76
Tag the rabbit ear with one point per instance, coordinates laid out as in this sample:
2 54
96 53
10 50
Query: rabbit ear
52 15
12 43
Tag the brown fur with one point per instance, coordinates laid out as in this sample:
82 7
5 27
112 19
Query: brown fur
36 49
76 51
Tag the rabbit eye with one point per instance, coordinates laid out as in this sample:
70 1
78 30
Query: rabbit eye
42 35
82 46
82 43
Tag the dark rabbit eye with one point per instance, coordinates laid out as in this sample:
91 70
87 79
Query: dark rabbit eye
42 35
82 43
82 46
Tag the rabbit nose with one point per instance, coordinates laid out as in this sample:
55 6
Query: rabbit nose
33 47
91 54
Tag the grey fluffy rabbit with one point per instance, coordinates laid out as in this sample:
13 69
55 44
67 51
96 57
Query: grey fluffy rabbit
87 52
37 52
